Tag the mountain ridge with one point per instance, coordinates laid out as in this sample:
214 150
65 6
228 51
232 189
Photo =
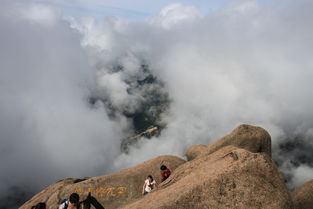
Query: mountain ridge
235 171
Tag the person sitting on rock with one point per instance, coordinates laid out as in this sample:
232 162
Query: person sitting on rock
165 172
148 185
71 203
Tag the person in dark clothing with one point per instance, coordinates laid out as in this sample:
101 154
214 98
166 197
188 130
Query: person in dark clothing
90 200
165 172
74 203
71 203
40 205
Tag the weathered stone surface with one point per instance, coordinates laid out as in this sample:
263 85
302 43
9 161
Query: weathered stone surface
234 172
303 196
48 195
110 190
195 151
228 178
252 138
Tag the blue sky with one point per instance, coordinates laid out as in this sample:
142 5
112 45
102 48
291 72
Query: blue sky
129 9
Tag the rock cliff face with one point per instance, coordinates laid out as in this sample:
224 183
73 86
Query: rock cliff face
251 138
229 178
235 171
110 190
303 196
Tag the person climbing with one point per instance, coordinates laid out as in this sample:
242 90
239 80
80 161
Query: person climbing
148 185
71 203
91 201
165 172
40 205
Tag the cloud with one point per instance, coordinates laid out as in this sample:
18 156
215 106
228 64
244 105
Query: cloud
228 68
48 130
242 7
41 14
174 14
71 92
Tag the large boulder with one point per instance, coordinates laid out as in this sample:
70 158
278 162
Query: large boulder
252 138
195 151
228 178
303 196
110 190
50 192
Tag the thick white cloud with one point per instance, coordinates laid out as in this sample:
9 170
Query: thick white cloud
48 130
174 14
247 63
42 14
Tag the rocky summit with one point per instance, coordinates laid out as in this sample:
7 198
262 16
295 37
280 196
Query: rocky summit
235 171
